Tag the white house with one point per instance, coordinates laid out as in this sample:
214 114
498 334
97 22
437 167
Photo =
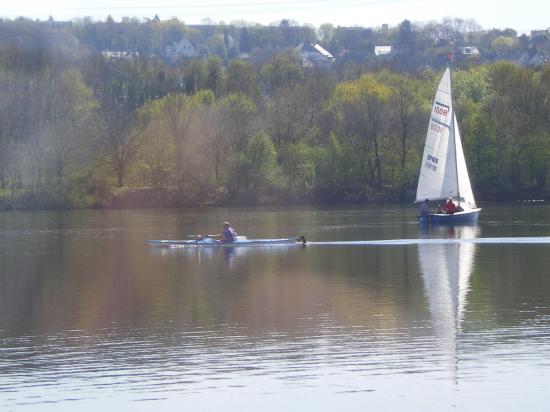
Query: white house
120 54
382 50
314 54
183 48
470 50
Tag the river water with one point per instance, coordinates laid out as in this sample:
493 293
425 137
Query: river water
91 317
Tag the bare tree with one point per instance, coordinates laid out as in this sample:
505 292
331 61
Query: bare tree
177 114
119 138
66 124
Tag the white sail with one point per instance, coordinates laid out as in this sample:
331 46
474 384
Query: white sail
443 171
465 188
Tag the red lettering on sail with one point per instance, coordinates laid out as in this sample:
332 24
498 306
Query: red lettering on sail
442 111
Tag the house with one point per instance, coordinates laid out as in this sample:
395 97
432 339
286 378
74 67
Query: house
539 60
183 48
314 54
540 33
470 51
524 59
120 54
382 50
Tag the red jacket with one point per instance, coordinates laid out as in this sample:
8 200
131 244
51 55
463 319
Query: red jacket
449 208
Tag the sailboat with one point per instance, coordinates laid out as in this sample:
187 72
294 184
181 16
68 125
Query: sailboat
443 172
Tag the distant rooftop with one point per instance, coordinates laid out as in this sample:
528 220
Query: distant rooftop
382 50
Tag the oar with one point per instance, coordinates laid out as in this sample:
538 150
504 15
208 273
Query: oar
198 238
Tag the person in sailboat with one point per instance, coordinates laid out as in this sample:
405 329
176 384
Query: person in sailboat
450 207
424 210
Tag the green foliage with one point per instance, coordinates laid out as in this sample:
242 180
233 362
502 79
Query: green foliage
328 166
241 79
282 72
88 187
214 74
262 162
266 130
364 104
298 168
472 85
537 162
504 45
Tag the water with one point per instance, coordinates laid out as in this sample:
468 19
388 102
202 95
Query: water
91 317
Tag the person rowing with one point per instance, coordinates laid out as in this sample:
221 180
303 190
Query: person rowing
228 234
228 237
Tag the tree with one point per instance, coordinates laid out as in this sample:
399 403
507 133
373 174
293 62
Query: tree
68 124
241 79
298 168
504 46
361 109
244 40
225 129
406 109
262 158
516 108
326 34
282 72
157 150
175 117
214 74
405 45
195 75
119 138
237 112
254 172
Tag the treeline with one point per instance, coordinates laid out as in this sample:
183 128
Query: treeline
96 132
414 46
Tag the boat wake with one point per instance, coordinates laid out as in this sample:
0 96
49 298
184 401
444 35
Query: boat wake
404 242
542 240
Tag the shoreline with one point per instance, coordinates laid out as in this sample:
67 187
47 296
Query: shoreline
149 198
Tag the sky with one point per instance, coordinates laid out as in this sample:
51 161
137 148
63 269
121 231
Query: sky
522 16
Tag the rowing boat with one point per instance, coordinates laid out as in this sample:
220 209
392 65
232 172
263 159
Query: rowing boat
240 241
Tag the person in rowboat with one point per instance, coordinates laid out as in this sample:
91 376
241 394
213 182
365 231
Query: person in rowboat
228 233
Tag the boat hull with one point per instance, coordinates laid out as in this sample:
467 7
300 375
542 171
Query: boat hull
465 217
216 243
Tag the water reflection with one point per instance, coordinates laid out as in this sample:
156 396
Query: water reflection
89 313
229 255
446 270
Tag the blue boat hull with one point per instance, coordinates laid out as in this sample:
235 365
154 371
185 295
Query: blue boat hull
207 242
466 217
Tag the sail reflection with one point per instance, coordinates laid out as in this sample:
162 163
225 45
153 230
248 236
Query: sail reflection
446 270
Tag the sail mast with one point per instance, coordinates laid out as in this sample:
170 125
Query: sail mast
453 120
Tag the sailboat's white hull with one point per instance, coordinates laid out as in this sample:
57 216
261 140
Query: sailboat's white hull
466 217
